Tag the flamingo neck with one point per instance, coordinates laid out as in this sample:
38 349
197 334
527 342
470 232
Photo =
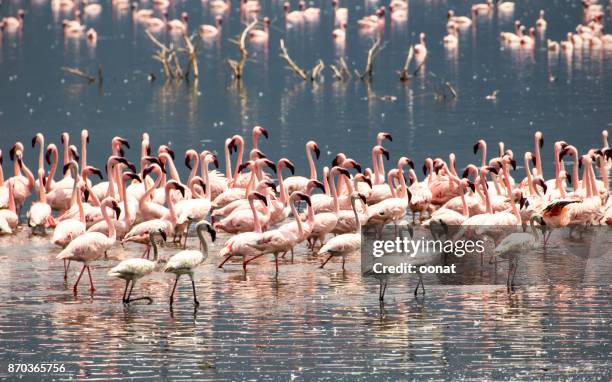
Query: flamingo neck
173 217
334 191
203 243
11 203
208 192
1 176
484 154
298 221
83 151
28 175
228 163
325 180
483 183
151 188
194 169
283 191
52 170
375 167
532 189
127 215
357 221
256 223
465 209
311 164
110 170
66 157
112 233
41 154
511 195
173 172
80 206
575 167
239 159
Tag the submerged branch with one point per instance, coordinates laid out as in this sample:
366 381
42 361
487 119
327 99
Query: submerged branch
291 64
78 72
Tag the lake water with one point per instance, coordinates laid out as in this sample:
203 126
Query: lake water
310 323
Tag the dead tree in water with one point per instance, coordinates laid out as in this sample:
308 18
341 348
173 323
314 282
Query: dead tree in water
368 72
238 66
168 56
314 73
341 71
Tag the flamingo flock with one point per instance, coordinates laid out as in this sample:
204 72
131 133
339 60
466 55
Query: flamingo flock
588 35
255 206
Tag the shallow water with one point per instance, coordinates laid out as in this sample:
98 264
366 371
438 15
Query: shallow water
311 323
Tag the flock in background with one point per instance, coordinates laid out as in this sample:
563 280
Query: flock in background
256 203
156 18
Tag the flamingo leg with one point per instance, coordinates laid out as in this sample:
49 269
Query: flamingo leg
186 232
127 282
419 283
91 281
174 289
66 270
343 261
276 262
245 262
325 262
225 261
195 298
78 279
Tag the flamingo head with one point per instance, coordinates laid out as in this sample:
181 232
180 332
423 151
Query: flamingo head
50 150
212 158
364 179
90 170
314 183
450 14
189 156
177 186
338 159
165 149
149 169
257 154
405 161
339 170
378 150
383 135
284 162
540 182
351 163
185 16
479 145
301 5
246 165
131 175
258 130
37 138
312 145
286 6
297 195
268 163
219 19
209 227
256 195
21 14
74 152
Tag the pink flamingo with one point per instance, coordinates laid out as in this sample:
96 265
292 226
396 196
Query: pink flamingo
450 216
91 246
8 217
391 209
292 18
299 183
178 25
210 32
14 23
216 180
39 215
340 14
420 49
339 34
141 15
344 244
67 229
125 221
140 232
239 245
380 191
457 21
310 14
541 22
283 238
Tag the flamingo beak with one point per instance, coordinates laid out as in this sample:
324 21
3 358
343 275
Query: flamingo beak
541 142
96 171
12 152
476 147
244 166
270 164
568 176
65 168
188 162
211 231
179 187
386 154
290 166
317 151
34 141
388 136
124 142
513 164
48 156
215 161
363 198
162 233
261 197
264 132
425 169
472 186
368 182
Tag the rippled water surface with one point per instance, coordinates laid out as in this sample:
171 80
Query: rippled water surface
310 323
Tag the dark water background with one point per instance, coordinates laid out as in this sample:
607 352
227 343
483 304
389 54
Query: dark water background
310 323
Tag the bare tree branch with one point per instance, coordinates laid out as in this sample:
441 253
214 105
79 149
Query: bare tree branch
291 64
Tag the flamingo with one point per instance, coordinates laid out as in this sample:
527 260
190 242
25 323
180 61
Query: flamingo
292 18
140 232
67 229
39 215
391 209
450 40
457 21
14 23
209 32
23 184
141 15
8 217
420 49
340 14
310 14
124 221
92 10
339 34
299 183
178 25
91 246
284 237
185 261
518 243
239 245
132 270
481 8
541 22
344 244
